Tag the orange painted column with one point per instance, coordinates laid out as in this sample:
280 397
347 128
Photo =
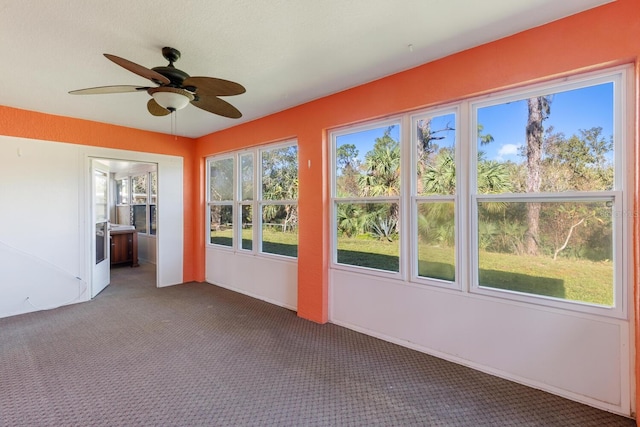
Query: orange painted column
634 280
313 227
198 187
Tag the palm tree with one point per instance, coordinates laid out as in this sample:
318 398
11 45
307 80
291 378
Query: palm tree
351 219
439 177
383 169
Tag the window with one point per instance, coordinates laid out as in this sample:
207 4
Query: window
548 183
366 197
434 195
122 191
221 180
247 190
139 200
153 183
278 200
136 201
519 195
260 195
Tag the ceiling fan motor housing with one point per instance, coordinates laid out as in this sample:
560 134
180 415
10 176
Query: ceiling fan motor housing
174 74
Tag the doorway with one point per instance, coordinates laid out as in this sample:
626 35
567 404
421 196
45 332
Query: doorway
127 206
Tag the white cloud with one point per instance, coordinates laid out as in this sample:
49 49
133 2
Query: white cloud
507 150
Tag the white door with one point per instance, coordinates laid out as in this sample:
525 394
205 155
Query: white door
100 235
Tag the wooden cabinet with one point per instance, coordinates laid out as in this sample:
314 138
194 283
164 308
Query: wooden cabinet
124 247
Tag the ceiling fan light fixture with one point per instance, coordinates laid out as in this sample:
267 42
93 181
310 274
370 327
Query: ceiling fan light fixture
171 98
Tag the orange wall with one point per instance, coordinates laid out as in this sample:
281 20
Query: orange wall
29 124
596 38
600 37
606 35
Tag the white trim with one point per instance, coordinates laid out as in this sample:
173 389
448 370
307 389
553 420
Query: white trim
619 196
622 409
236 204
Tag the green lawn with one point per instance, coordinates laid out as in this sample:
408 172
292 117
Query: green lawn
273 241
570 279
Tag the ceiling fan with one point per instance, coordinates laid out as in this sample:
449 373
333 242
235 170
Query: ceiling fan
175 89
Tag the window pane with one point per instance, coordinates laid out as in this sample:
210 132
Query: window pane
280 229
246 178
140 218
122 191
139 189
154 186
101 196
221 180
280 173
152 212
368 235
368 163
221 225
435 155
247 227
552 143
101 242
436 240
557 249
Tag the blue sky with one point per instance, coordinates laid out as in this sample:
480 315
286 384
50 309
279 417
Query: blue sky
365 140
570 111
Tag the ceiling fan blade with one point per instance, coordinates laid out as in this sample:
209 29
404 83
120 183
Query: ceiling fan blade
107 89
156 109
217 106
154 76
214 87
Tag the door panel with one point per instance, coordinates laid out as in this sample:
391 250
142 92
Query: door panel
100 215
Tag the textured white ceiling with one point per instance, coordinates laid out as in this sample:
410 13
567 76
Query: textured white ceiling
285 52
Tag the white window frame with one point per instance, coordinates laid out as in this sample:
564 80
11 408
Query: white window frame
256 203
132 204
259 199
211 203
241 202
466 199
401 274
415 199
620 77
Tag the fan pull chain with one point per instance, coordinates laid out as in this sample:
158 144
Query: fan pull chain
174 125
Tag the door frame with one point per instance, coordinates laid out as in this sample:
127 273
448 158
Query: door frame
170 214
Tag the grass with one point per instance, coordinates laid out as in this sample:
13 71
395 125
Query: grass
570 279
273 242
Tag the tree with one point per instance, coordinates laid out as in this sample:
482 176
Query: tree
347 173
280 182
539 109
382 178
382 164
439 176
428 150
580 162
351 219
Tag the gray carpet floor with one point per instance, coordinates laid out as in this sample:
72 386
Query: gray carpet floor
199 355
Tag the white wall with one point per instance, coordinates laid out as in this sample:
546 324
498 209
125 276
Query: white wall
44 229
582 357
266 278
39 235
